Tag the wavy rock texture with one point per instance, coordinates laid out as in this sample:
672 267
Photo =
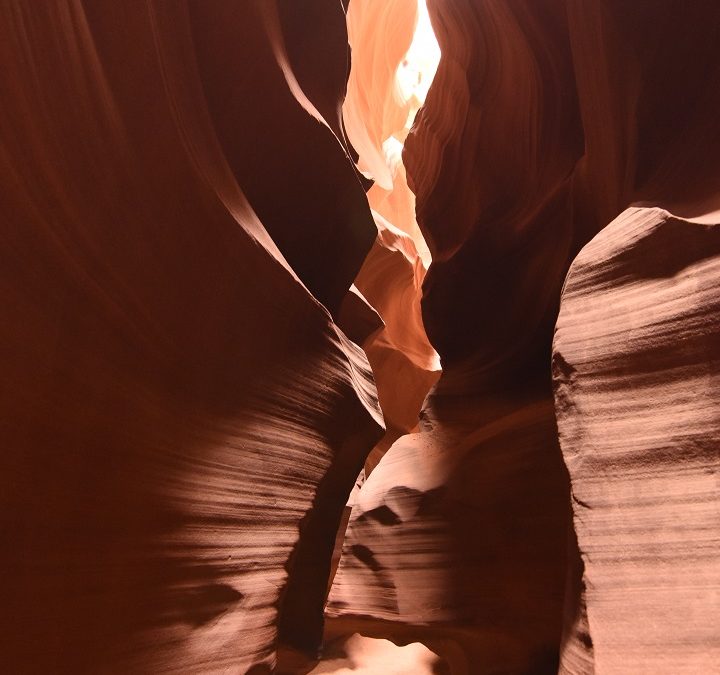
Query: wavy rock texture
321 222
404 363
445 531
380 34
182 421
463 527
357 317
315 38
390 73
545 120
636 388
377 113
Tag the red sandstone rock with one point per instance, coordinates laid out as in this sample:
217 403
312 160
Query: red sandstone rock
294 170
316 44
464 525
377 113
636 390
382 101
544 121
357 318
404 364
445 529
380 34
182 421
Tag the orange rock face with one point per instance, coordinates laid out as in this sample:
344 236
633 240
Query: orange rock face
377 113
404 364
462 529
221 356
545 120
380 33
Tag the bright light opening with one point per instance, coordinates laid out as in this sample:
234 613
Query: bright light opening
417 70
395 56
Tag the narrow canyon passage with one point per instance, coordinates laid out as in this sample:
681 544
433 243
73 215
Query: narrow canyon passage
360 336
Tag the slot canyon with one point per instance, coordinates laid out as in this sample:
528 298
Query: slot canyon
360 336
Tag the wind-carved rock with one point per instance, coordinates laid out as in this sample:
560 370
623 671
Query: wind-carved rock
182 421
636 379
404 364
270 124
461 530
545 120
377 114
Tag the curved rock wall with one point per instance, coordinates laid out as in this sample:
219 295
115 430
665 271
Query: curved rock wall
275 138
636 390
182 421
377 114
464 527
380 34
545 120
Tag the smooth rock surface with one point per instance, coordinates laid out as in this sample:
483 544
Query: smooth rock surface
294 169
545 120
382 98
461 530
404 364
182 421
445 530
371 656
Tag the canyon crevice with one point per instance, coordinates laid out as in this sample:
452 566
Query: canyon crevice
327 348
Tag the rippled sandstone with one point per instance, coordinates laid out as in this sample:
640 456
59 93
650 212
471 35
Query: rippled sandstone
182 420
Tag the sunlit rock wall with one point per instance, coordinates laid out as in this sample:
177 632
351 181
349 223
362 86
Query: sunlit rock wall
404 363
636 377
648 79
464 527
182 421
545 120
390 74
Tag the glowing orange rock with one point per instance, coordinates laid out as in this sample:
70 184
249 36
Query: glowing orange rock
545 120
405 365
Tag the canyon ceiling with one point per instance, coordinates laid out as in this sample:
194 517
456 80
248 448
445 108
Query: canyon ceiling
312 366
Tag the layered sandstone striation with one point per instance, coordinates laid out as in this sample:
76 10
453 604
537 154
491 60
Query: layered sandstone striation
544 121
636 390
199 299
462 529
182 420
